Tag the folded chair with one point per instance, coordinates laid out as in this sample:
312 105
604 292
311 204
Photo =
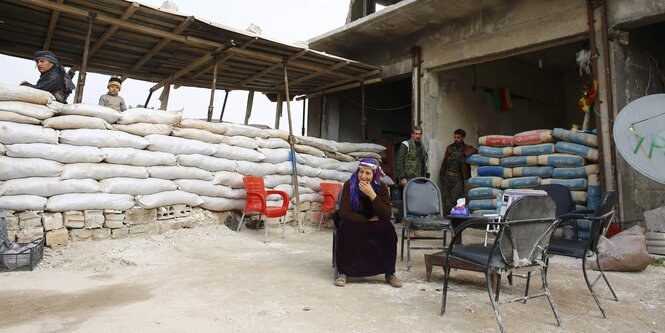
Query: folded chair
257 203
585 248
423 210
330 193
520 246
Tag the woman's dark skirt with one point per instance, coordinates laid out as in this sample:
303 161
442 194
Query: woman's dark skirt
366 249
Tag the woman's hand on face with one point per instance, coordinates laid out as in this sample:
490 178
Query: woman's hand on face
367 189
374 218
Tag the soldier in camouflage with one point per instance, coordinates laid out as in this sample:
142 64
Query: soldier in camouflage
412 157
454 170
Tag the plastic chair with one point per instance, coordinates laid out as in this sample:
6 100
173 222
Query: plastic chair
423 210
520 246
585 248
256 202
330 195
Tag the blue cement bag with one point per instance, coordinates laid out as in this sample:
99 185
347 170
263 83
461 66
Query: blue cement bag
593 191
483 212
577 149
495 151
535 150
579 172
496 171
575 184
520 182
487 204
482 160
484 193
485 181
561 160
576 137
516 161
542 172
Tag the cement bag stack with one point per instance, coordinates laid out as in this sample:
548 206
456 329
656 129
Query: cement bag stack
487 173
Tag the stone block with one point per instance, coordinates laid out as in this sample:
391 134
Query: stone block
80 234
57 237
113 224
137 229
655 219
29 214
138 216
315 217
165 213
12 222
316 206
93 218
73 219
120 233
29 234
73 224
182 210
114 216
52 221
101 233
305 206
152 229
30 222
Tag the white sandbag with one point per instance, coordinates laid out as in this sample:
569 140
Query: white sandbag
321 144
348 147
202 187
361 154
92 110
255 169
18 118
102 171
131 156
624 252
85 201
277 133
243 130
177 146
275 155
216 128
135 186
11 133
284 168
320 162
168 198
309 197
238 153
22 202
304 149
272 143
102 138
271 181
11 92
76 122
335 175
144 129
37 111
2 149
348 166
61 153
197 134
228 178
48 186
339 156
312 182
217 204
240 141
179 172
142 115
306 170
13 168
207 162
289 191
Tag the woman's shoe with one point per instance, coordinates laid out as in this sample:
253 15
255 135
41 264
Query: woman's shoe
340 281
393 280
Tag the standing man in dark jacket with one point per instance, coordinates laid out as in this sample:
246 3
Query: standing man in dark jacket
412 157
454 170
53 76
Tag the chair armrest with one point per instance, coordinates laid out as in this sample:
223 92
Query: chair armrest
260 196
284 195
457 232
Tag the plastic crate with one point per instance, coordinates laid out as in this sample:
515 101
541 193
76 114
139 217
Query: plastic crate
25 259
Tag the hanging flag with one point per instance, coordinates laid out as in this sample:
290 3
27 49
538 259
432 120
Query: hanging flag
502 99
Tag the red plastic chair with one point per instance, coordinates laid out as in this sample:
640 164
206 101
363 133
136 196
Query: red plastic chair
256 202
330 193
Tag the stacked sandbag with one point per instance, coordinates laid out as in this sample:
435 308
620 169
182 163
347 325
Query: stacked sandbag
488 173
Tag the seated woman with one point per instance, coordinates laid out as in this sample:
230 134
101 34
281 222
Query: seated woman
366 239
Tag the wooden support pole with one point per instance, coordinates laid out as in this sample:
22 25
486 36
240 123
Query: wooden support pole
250 103
302 132
212 90
51 27
226 96
293 151
164 97
363 117
278 111
84 63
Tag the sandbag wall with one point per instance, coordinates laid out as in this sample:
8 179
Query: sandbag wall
62 158
528 159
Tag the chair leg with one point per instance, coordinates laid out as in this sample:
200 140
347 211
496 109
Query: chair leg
590 285
408 249
498 286
240 223
402 251
265 232
548 293
493 298
321 220
446 277
526 290
602 273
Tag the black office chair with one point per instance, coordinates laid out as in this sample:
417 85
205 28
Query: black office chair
423 210
520 245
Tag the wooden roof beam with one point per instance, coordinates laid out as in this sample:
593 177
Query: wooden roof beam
51 28
313 75
223 59
189 40
271 68
113 28
161 44
358 79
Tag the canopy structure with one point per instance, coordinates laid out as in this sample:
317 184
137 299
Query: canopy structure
136 41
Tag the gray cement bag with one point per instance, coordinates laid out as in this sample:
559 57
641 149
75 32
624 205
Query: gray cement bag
76 122
10 92
18 118
22 202
92 110
48 186
167 199
207 162
135 186
102 139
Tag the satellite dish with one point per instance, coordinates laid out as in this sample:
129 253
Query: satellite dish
639 135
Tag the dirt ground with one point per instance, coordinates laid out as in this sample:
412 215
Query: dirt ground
211 279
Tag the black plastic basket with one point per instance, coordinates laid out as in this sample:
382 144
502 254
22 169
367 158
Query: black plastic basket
24 260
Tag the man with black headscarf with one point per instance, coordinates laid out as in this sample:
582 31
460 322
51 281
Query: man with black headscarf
53 77
454 170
